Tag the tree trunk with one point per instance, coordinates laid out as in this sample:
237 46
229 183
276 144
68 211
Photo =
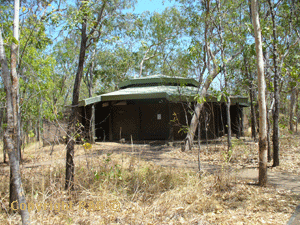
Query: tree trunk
268 138
90 85
253 114
199 147
228 123
4 121
226 79
261 97
74 117
251 93
269 131
194 122
253 117
11 86
296 111
38 126
238 121
241 121
276 92
292 107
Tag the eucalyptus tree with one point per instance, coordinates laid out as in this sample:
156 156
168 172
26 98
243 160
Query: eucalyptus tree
281 37
33 62
261 97
36 66
203 30
111 67
27 65
159 37
66 52
91 18
248 64
11 83
291 74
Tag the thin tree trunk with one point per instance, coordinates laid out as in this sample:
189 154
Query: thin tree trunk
268 110
241 121
74 117
268 138
251 93
90 84
238 121
296 111
253 114
276 92
228 123
199 147
3 132
269 130
193 125
194 122
226 79
261 98
292 107
38 128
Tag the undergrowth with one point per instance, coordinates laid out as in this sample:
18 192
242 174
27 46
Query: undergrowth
129 190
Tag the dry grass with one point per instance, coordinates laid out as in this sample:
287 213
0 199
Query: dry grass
133 190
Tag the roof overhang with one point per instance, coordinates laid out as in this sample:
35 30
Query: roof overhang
171 93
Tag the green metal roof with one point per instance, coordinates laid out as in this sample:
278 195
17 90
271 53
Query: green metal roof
171 93
159 80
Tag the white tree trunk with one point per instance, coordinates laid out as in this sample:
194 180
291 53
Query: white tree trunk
261 97
11 84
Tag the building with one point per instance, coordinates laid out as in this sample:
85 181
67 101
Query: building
158 108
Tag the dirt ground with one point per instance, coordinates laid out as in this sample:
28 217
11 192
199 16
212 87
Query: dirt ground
170 155
241 164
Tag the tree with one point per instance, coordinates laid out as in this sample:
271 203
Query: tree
261 97
74 117
91 17
220 31
276 91
159 35
203 26
11 84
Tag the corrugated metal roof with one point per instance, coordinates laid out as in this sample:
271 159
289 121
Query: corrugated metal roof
159 79
171 93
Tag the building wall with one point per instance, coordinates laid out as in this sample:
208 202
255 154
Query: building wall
155 121
125 122
102 115
158 119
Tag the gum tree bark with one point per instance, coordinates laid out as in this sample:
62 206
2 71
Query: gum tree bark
11 86
261 97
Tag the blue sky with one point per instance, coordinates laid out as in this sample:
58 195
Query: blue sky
152 5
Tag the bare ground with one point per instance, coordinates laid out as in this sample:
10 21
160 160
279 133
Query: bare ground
273 205
167 156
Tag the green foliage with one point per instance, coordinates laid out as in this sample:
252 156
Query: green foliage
31 134
110 171
227 155
172 42
200 99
